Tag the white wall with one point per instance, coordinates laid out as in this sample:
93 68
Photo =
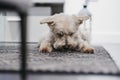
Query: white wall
106 19
2 26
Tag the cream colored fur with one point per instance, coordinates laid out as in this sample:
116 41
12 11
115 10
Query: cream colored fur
64 34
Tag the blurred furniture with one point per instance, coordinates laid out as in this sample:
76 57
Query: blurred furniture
43 8
56 6
39 10
21 7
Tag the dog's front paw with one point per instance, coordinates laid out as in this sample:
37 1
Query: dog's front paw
45 49
88 50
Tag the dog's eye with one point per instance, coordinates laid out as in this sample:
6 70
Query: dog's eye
60 34
70 34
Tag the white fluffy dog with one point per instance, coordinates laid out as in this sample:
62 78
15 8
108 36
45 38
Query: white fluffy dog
64 34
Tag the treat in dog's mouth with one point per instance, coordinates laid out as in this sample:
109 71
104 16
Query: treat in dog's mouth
66 49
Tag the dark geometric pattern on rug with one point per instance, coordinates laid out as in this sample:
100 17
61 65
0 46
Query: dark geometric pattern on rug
68 61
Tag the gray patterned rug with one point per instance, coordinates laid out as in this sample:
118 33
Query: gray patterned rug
68 61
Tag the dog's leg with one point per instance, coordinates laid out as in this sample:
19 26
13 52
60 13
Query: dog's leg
84 45
45 45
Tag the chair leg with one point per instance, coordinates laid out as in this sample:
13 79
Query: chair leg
23 46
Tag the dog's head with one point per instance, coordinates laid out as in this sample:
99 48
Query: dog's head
64 27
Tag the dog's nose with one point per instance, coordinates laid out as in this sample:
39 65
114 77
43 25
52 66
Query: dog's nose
66 41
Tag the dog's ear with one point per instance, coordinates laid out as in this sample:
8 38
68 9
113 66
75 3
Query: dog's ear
80 19
84 18
49 21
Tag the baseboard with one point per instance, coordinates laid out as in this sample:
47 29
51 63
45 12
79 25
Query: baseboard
101 38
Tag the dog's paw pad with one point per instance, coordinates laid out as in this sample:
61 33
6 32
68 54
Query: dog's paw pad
45 50
88 50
